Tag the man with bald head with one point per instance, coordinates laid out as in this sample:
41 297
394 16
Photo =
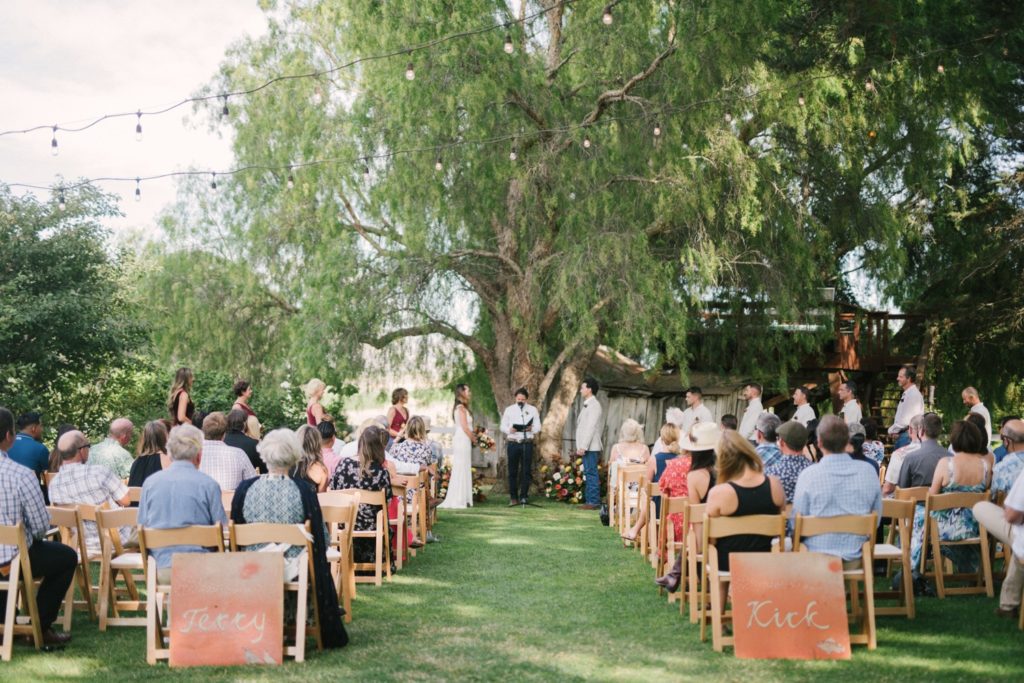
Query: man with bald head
111 452
82 482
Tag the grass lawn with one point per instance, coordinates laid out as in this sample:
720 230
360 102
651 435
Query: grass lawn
550 594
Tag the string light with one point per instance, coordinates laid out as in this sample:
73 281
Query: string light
291 179
410 72
728 117
53 143
657 131
509 46
607 16
800 100
366 171
586 142
138 190
513 155
941 69
213 181
61 204
224 110
869 85
438 166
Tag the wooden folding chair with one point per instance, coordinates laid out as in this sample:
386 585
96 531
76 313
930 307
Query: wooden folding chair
341 520
860 525
901 516
398 532
983 579
613 496
715 581
881 474
72 534
244 535
116 562
422 504
17 580
628 504
649 534
225 499
381 566
134 494
667 547
157 591
695 594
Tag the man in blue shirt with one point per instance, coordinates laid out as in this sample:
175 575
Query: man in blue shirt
180 495
1001 451
27 449
767 438
837 485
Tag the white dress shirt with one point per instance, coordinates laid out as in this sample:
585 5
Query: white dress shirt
980 409
588 425
911 405
851 412
748 426
520 415
693 415
804 414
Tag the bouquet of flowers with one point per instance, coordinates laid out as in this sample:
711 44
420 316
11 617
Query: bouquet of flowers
444 474
564 480
482 441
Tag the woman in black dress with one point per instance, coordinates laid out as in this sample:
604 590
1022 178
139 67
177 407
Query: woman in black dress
367 472
152 453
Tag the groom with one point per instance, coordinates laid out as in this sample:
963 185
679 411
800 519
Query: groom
589 424
521 424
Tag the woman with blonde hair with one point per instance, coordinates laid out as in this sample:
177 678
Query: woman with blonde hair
743 489
314 390
179 400
655 467
629 450
152 456
310 466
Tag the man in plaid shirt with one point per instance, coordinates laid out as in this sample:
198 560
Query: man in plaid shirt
21 500
79 482
229 466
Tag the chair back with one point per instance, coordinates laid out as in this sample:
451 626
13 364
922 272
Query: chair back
207 536
250 534
368 497
14 534
48 477
898 509
338 498
758 525
916 494
957 499
653 489
134 494
108 523
225 499
632 473
343 516
858 525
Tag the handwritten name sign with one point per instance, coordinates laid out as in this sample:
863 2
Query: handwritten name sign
226 609
789 606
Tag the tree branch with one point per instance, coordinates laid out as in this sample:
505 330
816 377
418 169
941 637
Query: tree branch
610 96
553 71
483 253
518 100
432 327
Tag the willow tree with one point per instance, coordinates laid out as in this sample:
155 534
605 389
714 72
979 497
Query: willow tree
688 168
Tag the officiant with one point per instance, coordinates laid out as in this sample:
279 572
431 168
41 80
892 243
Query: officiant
520 423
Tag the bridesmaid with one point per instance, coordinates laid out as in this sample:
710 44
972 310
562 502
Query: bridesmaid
314 392
398 415
179 401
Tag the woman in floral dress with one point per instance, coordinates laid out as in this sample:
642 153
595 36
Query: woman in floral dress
367 472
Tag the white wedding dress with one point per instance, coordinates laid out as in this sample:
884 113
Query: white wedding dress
460 485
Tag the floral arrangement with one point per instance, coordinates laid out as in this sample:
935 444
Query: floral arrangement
444 475
565 481
482 441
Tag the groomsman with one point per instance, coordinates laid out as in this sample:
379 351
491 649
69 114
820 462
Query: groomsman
520 423
911 404
588 440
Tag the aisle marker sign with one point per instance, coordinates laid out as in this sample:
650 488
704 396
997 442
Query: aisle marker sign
789 606
226 609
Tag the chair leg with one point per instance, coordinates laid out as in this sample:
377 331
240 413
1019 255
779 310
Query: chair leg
106 588
986 563
152 613
716 613
908 590
10 614
937 561
869 604
69 605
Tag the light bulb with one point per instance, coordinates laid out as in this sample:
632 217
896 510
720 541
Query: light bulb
800 100
410 73
224 110
941 69
728 117
572 195
366 171
657 130
513 155
869 85
291 182
607 16
213 181
61 204
509 46
53 143
138 191
586 142
438 165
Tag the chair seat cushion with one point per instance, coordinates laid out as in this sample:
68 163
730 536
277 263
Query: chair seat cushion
333 554
887 551
127 561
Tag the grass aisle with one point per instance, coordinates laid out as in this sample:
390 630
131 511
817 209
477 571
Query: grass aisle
549 594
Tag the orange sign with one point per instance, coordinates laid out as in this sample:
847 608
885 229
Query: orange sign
789 606
226 608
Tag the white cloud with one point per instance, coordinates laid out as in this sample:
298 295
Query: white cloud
68 62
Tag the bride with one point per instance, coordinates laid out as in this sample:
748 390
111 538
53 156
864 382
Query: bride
460 485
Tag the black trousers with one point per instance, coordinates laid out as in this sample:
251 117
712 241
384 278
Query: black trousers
520 459
55 564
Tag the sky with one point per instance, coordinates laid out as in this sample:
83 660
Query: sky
65 62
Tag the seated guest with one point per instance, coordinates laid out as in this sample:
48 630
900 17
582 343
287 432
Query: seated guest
743 489
311 467
1006 524
237 437
629 450
82 482
152 453
1001 451
27 449
54 563
669 441
111 452
277 498
856 445
673 416
766 436
1006 472
229 466
415 449
351 449
729 422
180 495
328 436
55 454
698 447
978 420
966 471
837 485
792 439
892 473
367 472
918 467
873 448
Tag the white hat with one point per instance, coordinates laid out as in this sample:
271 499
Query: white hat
703 436
674 416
